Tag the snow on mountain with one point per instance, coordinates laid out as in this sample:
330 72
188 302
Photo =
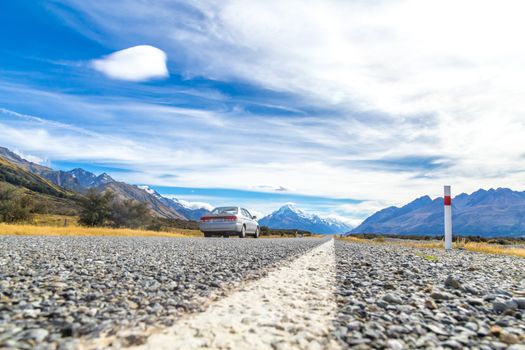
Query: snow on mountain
290 217
191 210
149 190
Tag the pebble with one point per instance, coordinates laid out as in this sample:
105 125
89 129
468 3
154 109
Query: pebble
440 296
393 299
452 282
465 310
475 301
395 344
520 302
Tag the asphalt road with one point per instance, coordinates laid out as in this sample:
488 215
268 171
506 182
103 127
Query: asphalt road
54 290
99 292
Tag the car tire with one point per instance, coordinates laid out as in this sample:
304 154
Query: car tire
242 234
257 233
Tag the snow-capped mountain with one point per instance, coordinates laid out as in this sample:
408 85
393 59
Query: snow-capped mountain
190 211
291 217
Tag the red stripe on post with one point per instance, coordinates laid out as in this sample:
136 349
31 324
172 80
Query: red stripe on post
448 200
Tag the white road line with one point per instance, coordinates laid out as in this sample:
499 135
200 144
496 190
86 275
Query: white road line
291 308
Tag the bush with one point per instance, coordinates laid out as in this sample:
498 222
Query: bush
130 213
15 206
266 231
104 209
96 208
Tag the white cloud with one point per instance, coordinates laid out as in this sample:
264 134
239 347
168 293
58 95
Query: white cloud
440 79
277 188
196 205
137 63
30 157
352 222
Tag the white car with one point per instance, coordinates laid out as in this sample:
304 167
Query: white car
227 221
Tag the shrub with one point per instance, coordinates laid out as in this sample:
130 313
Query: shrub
129 213
96 208
14 204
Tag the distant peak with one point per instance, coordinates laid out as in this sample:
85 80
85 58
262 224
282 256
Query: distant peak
104 178
290 207
78 170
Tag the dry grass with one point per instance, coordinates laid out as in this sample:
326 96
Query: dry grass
427 245
33 230
486 248
54 220
356 240
289 236
495 249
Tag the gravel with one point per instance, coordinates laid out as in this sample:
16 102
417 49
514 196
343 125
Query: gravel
392 297
58 291
54 290
291 308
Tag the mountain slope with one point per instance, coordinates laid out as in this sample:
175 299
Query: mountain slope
15 175
126 191
80 180
190 213
290 217
61 178
46 196
496 212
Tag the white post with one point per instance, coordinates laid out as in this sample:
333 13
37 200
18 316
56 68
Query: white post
448 219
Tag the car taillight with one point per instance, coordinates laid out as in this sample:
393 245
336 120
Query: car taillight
226 218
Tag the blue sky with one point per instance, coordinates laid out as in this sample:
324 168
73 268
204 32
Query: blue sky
342 107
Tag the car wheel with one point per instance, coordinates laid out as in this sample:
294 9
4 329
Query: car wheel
242 234
257 233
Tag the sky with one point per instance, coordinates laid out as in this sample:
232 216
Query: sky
341 107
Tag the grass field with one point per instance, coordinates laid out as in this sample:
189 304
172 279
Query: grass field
53 220
34 230
470 246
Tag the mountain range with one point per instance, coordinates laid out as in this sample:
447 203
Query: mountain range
494 212
291 217
80 180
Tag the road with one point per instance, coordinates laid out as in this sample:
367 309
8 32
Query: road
153 293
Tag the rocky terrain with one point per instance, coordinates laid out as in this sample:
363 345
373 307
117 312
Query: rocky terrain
54 290
397 297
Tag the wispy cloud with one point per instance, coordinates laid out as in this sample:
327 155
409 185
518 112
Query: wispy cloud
379 101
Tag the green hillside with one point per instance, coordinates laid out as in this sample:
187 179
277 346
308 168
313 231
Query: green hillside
17 176
46 197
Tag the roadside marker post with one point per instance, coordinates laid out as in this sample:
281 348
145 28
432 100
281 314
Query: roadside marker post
448 218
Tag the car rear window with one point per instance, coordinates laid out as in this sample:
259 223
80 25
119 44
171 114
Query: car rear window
224 210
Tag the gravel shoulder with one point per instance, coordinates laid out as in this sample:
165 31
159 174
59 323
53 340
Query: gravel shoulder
396 297
56 290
